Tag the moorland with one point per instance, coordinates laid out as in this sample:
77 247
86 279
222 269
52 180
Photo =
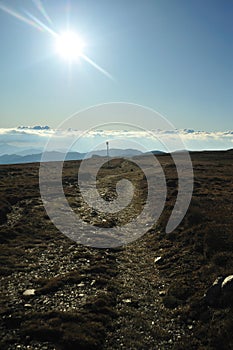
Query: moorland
153 293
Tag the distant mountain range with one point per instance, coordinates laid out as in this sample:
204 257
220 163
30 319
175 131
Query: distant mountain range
57 156
6 149
23 157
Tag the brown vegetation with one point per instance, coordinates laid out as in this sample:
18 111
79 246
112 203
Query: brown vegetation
88 298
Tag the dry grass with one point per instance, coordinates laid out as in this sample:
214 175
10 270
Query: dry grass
198 251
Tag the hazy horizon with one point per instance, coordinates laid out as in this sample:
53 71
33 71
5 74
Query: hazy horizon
29 140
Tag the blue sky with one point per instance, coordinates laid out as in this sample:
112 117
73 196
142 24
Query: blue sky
175 56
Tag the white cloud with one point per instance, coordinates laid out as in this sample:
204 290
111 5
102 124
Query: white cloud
38 136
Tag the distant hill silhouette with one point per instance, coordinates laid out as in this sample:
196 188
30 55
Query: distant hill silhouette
57 156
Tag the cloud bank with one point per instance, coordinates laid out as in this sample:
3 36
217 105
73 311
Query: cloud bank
26 139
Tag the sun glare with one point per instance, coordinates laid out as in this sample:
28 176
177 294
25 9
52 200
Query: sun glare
69 46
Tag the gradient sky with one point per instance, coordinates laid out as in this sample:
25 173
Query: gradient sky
175 56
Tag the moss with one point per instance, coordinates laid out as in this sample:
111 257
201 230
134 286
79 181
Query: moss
180 289
83 336
53 284
42 332
223 259
171 302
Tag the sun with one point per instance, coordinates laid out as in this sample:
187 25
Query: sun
69 45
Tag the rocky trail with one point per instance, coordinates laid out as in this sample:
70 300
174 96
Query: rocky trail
143 321
41 284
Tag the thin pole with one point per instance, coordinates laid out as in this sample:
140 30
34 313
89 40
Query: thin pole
107 143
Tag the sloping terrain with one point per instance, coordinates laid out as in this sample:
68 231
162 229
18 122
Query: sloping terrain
149 294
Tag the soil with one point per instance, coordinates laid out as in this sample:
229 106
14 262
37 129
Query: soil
147 294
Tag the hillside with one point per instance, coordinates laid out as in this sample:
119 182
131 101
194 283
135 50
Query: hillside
149 294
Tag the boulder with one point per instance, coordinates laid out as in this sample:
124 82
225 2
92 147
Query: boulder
227 291
227 284
213 294
220 294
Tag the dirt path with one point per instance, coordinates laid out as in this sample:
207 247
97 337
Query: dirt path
143 321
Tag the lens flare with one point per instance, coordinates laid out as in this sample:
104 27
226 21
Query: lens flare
69 45
42 10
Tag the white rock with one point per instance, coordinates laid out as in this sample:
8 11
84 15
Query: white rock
81 284
162 293
28 305
157 259
228 279
29 292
